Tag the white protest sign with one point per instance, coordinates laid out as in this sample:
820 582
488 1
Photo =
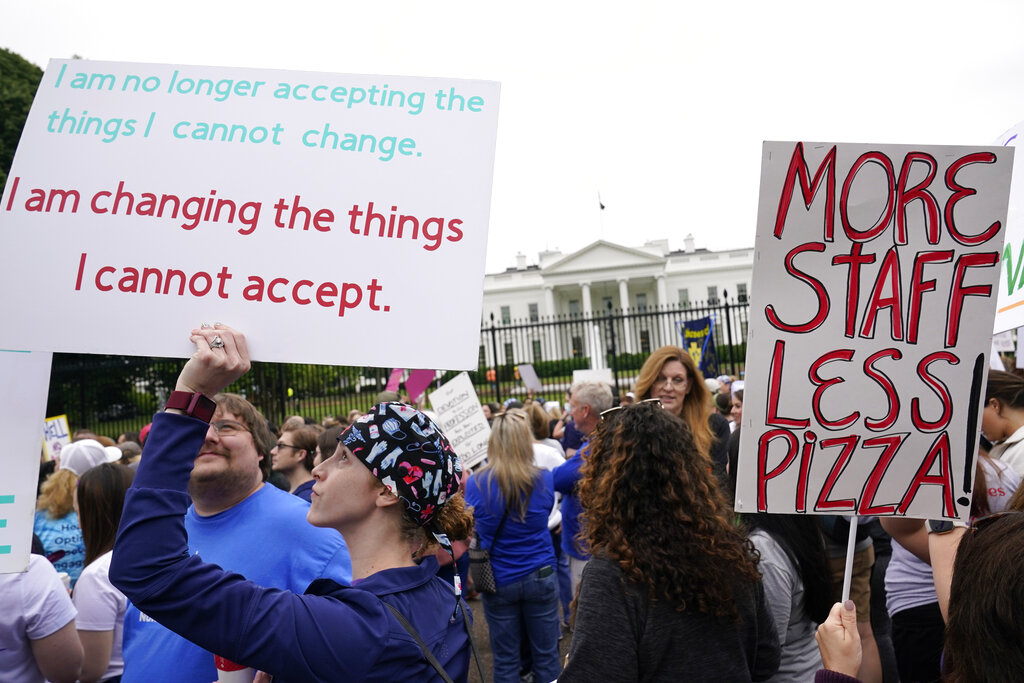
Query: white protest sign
462 419
874 283
1010 305
350 207
602 375
21 413
56 435
529 376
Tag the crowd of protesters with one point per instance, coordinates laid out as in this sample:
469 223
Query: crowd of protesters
338 550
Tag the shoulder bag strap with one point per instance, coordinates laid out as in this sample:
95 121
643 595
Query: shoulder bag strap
419 641
497 533
472 643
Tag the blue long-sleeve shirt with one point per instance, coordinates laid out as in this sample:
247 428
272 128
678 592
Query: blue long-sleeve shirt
331 633
566 477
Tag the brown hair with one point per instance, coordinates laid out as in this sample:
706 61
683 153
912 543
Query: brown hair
252 418
57 495
986 604
697 403
454 519
306 439
100 500
539 421
654 507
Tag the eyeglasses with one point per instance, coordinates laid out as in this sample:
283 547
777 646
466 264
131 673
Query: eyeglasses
228 427
611 411
286 445
987 520
677 382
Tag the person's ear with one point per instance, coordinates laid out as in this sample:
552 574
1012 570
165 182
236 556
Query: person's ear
385 498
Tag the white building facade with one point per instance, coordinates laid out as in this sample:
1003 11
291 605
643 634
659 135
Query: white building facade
603 277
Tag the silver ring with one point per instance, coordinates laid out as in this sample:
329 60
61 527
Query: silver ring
217 343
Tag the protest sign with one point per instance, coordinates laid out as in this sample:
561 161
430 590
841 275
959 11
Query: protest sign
21 413
461 419
273 201
1010 305
395 379
602 375
698 339
417 383
874 285
529 376
56 435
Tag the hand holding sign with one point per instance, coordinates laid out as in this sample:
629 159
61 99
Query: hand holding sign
221 357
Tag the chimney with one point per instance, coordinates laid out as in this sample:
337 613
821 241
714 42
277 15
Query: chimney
690 248
520 261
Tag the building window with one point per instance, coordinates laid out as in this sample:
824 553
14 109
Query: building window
741 292
577 347
534 313
508 354
481 360
574 308
645 341
506 315
684 298
641 301
537 356
607 304
712 296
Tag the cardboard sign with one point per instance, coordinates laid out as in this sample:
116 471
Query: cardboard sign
602 375
21 413
462 419
269 200
529 376
1010 306
874 286
56 435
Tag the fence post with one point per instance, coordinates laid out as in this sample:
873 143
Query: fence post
612 348
282 393
494 351
728 335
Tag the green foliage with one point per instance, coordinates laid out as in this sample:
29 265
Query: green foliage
19 80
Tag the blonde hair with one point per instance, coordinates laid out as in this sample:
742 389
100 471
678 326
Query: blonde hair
510 459
57 495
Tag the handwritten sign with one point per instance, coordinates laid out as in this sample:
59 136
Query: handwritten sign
56 435
1010 305
270 200
874 285
462 419
21 413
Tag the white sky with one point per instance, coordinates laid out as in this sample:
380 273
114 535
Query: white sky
660 106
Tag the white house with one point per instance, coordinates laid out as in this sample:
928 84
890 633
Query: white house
603 276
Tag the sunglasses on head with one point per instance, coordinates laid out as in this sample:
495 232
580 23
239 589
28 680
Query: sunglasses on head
605 414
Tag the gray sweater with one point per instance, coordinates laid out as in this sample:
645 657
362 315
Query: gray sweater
620 636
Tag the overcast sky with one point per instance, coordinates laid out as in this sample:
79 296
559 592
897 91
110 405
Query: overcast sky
661 107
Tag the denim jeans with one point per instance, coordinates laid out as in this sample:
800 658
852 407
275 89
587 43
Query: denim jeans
530 605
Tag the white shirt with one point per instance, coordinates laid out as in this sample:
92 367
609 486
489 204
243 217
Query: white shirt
101 607
547 458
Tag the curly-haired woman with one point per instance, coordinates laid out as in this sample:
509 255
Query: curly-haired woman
673 591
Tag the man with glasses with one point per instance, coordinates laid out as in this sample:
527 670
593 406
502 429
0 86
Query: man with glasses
586 403
293 457
243 525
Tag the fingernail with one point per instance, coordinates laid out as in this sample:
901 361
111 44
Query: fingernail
204 326
849 606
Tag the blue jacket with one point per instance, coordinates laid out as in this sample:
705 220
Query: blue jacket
331 633
566 477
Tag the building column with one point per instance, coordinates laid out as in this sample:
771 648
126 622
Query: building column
554 350
587 309
594 345
624 300
668 327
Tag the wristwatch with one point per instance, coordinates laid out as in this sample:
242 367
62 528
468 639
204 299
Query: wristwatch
195 404
944 526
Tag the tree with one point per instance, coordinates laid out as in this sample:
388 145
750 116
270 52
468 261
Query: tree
19 80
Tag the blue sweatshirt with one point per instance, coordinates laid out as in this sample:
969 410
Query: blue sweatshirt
566 477
331 633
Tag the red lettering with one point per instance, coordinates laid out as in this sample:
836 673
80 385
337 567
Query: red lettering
99 285
889 444
940 389
819 289
848 443
883 221
917 192
959 291
295 292
798 169
824 384
918 286
775 390
855 260
762 462
888 276
959 192
941 450
888 387
276 298
805 466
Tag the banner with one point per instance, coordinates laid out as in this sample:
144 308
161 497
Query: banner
462 419
1010 306
699 341
21 413
315 212
874 286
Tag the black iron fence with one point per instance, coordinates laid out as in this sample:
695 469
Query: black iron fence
114 394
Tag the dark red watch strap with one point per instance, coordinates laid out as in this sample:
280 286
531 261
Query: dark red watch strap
194 404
